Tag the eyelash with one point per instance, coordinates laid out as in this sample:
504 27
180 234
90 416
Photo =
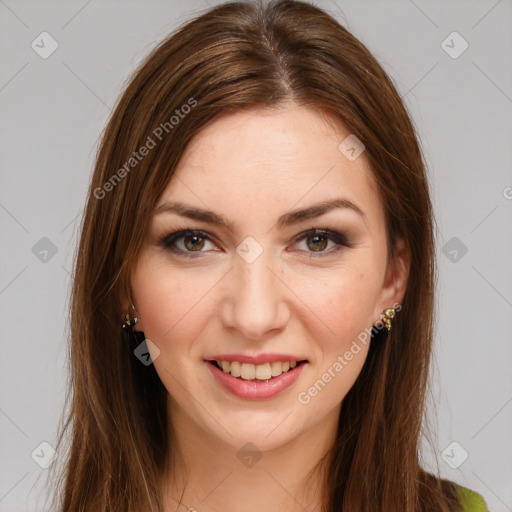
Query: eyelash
169 240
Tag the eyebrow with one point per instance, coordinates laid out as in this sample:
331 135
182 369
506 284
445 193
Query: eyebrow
285 220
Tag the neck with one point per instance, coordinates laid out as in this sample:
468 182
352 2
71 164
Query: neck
207 473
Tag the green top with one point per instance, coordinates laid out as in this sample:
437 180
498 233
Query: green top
472 501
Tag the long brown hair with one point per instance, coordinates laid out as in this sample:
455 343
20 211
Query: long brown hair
236 56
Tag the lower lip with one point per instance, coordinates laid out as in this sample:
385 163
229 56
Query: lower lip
256 389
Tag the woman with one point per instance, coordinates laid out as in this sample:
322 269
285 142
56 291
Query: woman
253 295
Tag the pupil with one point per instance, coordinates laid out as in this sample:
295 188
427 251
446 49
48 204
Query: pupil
195 244
316 238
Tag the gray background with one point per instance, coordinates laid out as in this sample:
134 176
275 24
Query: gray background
52 114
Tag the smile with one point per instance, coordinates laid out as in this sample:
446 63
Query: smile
248 371
255 381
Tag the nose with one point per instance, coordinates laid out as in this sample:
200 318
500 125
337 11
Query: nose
255 304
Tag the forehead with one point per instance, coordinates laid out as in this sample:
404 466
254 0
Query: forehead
271 141
270 158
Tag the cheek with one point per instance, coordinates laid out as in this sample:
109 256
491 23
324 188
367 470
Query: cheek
170 304
339 321
343 304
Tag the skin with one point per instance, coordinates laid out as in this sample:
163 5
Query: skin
252 167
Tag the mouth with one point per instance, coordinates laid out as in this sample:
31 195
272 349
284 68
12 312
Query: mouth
256 372
255 381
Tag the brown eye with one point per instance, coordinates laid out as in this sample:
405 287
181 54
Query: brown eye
318 242
193 242
189 243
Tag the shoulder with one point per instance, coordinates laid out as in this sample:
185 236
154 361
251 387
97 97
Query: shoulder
471 500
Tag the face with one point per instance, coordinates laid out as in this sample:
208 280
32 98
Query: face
252 284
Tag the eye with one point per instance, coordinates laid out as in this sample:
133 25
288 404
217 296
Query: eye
318 239
192 242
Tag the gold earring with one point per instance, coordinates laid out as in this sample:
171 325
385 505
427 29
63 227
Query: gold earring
130 322
388 315
136 337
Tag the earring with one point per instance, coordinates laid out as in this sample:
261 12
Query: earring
388 315
136 337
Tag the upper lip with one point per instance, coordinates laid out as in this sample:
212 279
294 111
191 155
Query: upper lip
256 359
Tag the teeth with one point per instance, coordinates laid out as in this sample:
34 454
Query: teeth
263 371
248 371
236 369
277 369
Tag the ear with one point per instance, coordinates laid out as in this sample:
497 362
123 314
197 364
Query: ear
395 282
127 306
124 301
